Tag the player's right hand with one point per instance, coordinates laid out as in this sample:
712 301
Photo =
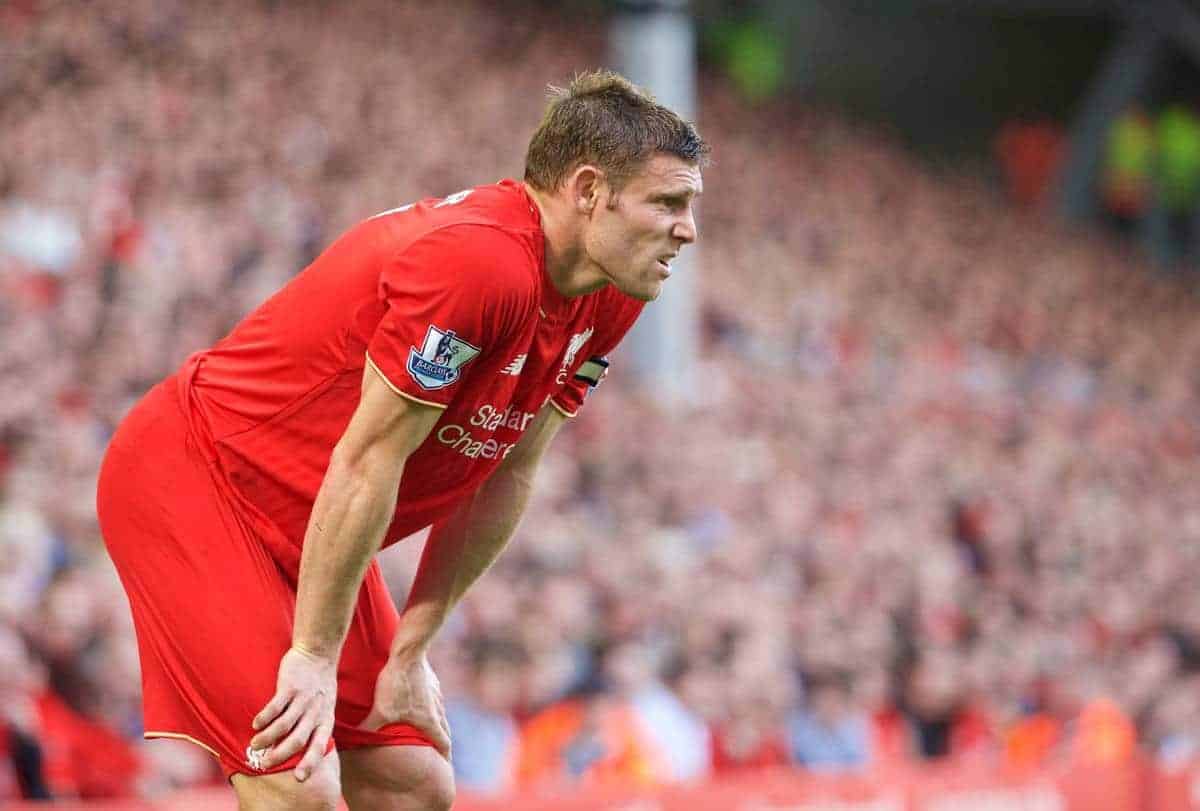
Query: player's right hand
300 713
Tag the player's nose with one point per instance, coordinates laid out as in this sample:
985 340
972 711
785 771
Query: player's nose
685 229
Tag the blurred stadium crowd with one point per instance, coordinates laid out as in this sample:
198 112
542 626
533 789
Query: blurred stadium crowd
935 497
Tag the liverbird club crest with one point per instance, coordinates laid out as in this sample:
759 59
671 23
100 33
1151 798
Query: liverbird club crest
573 346
439 361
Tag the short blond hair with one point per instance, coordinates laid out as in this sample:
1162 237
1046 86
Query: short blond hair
604 119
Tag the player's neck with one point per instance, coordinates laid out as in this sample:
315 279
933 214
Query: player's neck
570 270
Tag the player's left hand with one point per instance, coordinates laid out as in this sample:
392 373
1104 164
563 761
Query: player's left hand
407 691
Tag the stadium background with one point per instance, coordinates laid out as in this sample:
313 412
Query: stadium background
922 533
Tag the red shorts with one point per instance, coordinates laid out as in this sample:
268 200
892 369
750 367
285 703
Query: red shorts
212 609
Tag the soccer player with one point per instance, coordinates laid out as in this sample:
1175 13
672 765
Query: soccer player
412 376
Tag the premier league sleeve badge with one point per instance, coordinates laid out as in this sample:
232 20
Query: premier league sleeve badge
439 361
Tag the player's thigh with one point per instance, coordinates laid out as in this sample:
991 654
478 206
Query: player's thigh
211 609
396 778
283 792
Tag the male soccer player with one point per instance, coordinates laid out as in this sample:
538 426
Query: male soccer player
413 375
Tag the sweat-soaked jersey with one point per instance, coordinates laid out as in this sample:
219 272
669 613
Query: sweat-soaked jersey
449 300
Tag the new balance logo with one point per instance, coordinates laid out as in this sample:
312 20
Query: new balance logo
514 368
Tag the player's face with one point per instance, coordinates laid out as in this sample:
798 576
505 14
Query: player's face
634 234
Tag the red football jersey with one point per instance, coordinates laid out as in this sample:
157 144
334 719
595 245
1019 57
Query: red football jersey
450 301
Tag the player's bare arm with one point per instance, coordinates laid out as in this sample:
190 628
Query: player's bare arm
352 511
459 550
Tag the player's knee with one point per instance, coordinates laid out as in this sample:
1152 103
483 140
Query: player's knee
441 792
400 778
320 792
435 792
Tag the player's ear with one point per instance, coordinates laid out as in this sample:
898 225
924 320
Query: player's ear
586 185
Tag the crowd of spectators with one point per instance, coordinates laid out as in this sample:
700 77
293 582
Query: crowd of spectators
935 498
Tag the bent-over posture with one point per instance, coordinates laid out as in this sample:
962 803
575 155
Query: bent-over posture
413 375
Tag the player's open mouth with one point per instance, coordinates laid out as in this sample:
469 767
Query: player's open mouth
664 268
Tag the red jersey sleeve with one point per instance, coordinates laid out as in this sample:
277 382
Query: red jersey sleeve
619 314
452 296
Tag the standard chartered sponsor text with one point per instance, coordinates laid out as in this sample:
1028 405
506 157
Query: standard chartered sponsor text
487 419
